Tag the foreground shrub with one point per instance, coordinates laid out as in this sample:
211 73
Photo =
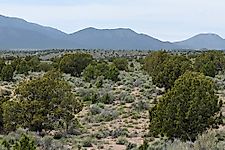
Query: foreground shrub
187 110
24 143
207 141
41 103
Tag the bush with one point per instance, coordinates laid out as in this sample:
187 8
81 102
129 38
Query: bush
107 115
95 109
22 67
119 132
42 102
187 110
125 97
24 143
102 133
141 105
87 142
121 141
95 70
107 98
74 64
210 63
165 68
7 73
121 63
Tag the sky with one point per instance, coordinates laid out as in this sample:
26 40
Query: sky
167 20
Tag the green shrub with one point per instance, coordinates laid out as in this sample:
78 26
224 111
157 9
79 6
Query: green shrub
74 64
187 110
24 143
22 67
87 142
7 73
210 63
119 132
121 141
42 102
165 68
95 70
121 63
95 109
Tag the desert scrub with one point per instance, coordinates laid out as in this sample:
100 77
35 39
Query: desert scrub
121 141
102 133
107 98
140 105
131 146
107 115
119 132
96 109
125 97
211 140
88 142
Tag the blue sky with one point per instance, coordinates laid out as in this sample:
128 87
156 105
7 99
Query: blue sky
168 20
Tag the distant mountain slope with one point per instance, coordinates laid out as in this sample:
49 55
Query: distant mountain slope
17 23
209 41
117 39
16 33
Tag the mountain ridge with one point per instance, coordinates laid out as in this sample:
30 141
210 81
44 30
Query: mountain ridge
16 33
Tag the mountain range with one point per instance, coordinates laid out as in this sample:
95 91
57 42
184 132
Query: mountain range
16 33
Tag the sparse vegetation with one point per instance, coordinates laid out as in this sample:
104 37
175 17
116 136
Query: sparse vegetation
127 100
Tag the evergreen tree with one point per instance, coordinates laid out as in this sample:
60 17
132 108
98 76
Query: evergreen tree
188 109
7 73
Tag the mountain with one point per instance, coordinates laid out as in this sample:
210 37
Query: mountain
16 33
117 39
201 41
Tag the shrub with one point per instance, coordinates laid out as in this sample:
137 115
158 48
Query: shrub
121 141
172 68
119 132
95 109
107 98
210 63
74 64
125 97
187 110
42 102
165 68
107 115
102 133
24 143
22 67
121 63
95 70
87 142
154 61
7 73
141 105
